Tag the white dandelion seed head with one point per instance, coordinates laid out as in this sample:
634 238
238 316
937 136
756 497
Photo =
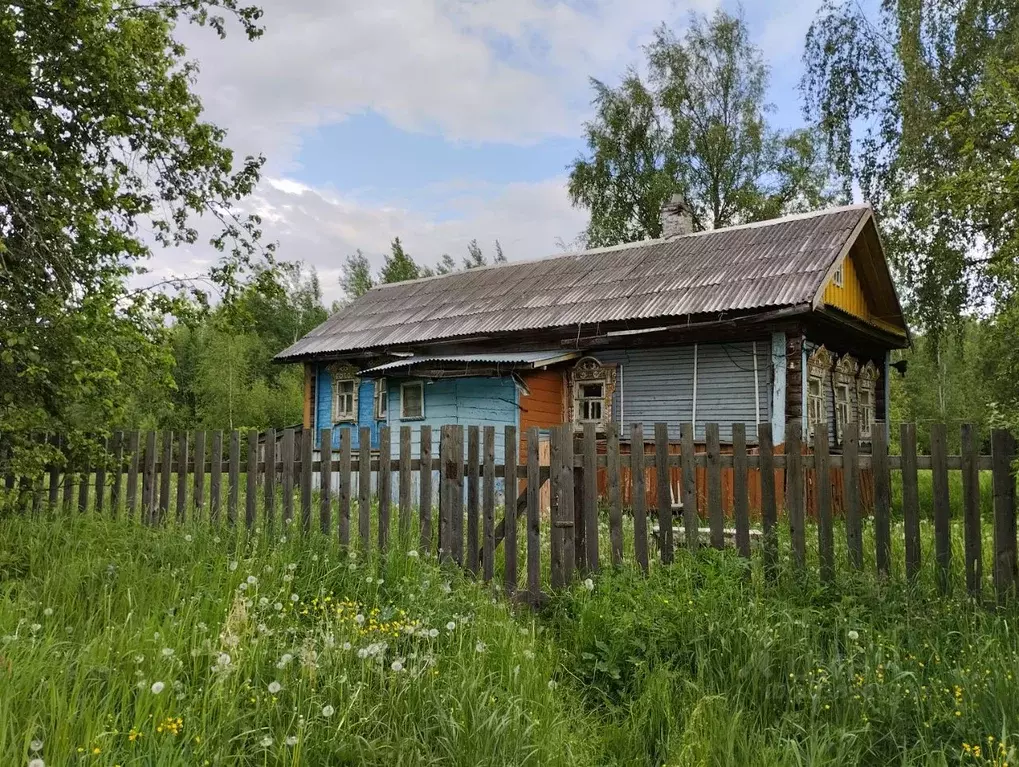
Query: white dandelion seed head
413 554
433 632
233 566
263 601
359 619
188 538
589 584
397 665
48 612
314 557
252 580
480 647
139 659
243 587
291 740
328 711
35 746
292 566
853 635
379 581
451 626
266 742
277 606
157 687
35 627
37 762
369 579
552 684
223 659
167 652
347 645
294 598
275 687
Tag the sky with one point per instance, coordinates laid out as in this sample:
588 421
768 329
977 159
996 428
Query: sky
438 121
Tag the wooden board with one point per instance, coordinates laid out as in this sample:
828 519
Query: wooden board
910 499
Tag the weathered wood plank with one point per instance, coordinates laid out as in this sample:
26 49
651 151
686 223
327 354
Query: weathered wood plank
456 505
794 491
533 516
68 480
385 486
688 486
251 481
325 491
910 499
199 490
473 510
234 478
511 488
558 532
615 495
639 495
182 476
307 448
343 485
590 493
769 503
100 501
663 487
165 475
1003 482
149 480
425 500
134 463
822 491
287 475
740 477
84 478
568 491
117 454
716 518
971 511
54 477
216 476
882 498
851 492
269 482
445 493
488 505
404 483
942 529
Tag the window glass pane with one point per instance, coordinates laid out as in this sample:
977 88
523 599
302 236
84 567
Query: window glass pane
591 390
412 401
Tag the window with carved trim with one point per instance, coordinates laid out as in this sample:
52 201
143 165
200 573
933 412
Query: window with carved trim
381 400
843 409
819 365
845 394
344 399
866 388
592 385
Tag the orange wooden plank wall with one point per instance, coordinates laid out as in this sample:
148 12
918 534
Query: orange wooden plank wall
544 406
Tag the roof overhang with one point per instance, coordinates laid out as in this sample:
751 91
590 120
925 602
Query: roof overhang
468 363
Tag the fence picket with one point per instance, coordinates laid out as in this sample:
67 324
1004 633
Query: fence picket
404 482
910 498
971 510
269 481
882 497
473 510
307 452
488 505
615 495
769 503
287 476
233 489
942 531
740 502
445 493
639 495
851 491
101 477
343 485
822 491
456 488
557 534
165 475
663 491
716 518
182 476
364 487
688 486
116 498
215 476
590 494
325 481
385 485
83 485
569 492
54 477
533 516
198 494
510 489
68 480
425 500
149 480
1003 480
251 481
794 490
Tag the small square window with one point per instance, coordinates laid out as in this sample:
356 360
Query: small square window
381 400
590 402
412 401
838 278
343 399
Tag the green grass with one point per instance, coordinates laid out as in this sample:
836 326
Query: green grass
699 663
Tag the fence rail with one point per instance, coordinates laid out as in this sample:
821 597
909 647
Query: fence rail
672 491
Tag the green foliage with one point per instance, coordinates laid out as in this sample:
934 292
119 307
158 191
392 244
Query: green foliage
103 155
398 266
697 126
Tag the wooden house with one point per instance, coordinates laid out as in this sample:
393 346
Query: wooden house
788 319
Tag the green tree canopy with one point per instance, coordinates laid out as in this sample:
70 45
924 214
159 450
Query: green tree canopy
697 126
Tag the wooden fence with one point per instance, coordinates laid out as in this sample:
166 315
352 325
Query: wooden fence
255 479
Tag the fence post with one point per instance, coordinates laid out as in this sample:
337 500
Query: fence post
457 499
54 478
716 518
663 491
364 486
251 480
101 477
307 453
149 479
182 476
344 488
269 480
639 495
971 510
405 477
822 476
589 489
325 480
473 459
740 503
794 490
287 475
942 531
533 516
233 491
425 477
1003 479
910 499
556 513
118 478
165 475
851 482
882 497
488 504
215 476
445 501
769 503
199 491
511 488
83 485
615 497
385 485
691 520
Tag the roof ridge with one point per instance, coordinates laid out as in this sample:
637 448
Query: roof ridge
640 243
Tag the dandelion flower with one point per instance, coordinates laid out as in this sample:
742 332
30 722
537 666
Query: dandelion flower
396 665
157 687
291 740
552 684
233 566
167 652
35 746
243 587
266 742
35 627
412 554
359 619
277 606
275 687
328 711
450 626
252 580
294 598
37 762
188 538
480 647
48 612
433 633
854 635
589 584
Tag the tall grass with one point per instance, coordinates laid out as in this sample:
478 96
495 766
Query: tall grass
124 645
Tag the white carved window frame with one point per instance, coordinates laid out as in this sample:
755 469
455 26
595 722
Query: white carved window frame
345 384
866 395
845 393
381 404
819 365
587 373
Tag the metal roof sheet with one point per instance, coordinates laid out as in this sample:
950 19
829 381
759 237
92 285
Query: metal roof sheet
768 264
534 359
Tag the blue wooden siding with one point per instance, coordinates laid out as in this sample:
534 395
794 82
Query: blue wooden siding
657 385
365 410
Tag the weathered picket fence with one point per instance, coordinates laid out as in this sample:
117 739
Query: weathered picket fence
137 475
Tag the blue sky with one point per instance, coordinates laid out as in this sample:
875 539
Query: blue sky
438 121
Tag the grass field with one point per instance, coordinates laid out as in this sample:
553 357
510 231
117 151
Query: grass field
123 645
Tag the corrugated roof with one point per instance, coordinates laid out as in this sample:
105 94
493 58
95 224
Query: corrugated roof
776 263
533 359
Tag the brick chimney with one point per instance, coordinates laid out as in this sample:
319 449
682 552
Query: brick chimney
677 217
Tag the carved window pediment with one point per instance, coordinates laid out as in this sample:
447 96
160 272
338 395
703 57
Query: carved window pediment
591 388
